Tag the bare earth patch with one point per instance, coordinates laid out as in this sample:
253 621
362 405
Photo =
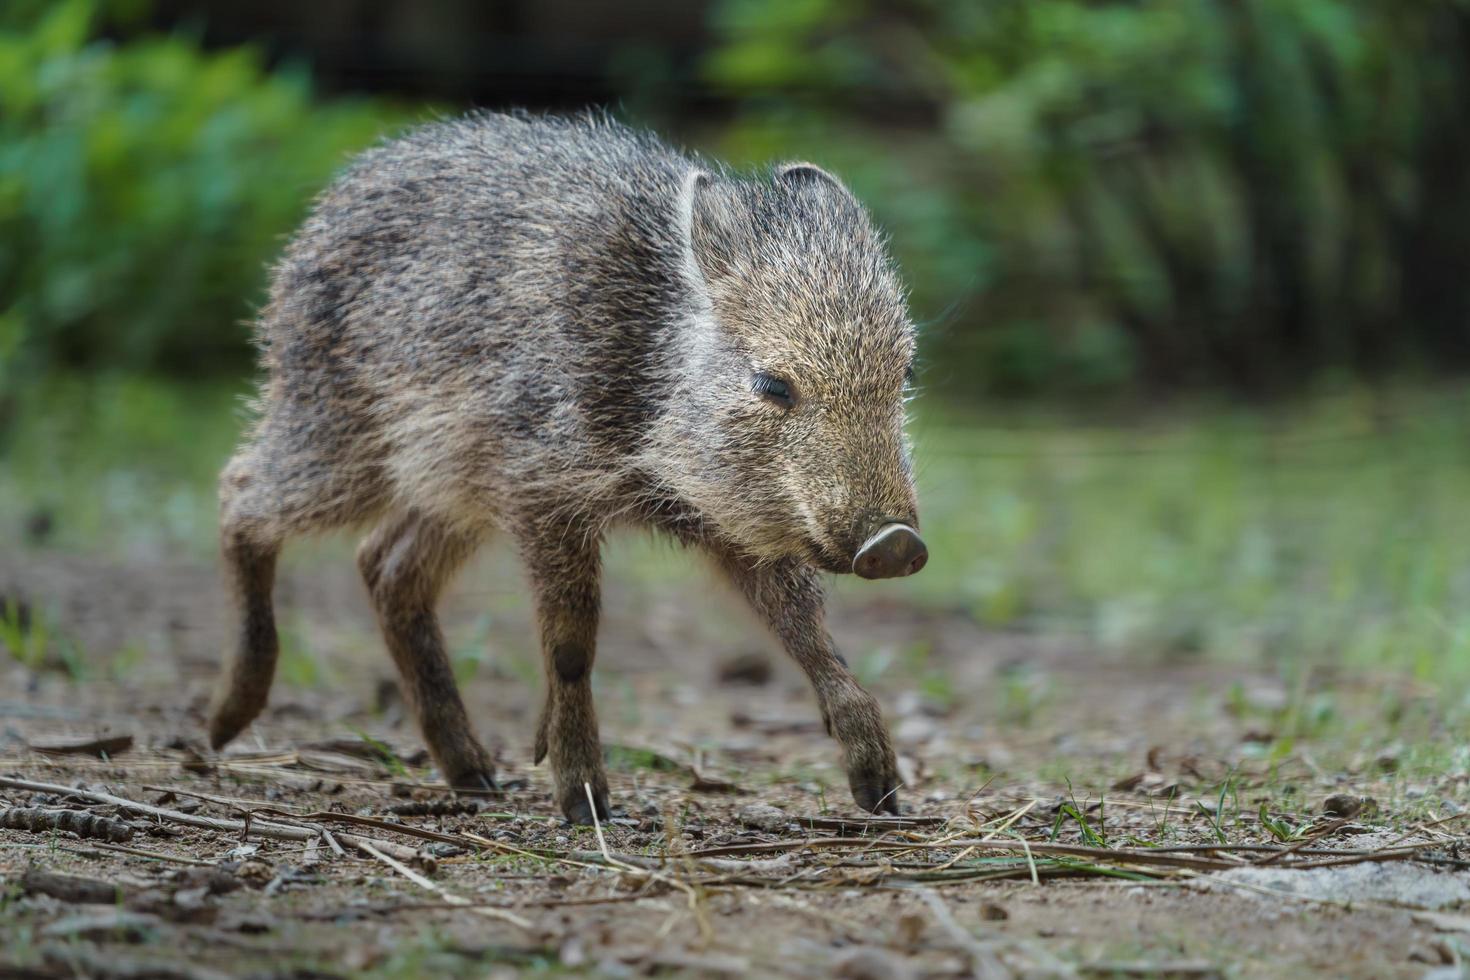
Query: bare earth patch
1064 814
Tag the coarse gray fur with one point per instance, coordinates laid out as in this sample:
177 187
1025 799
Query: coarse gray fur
549 327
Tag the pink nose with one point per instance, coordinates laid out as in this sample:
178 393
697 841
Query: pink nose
894 550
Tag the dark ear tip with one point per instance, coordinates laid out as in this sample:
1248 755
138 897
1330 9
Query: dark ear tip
696 182
802 173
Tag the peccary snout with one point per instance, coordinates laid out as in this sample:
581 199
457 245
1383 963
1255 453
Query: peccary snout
894 550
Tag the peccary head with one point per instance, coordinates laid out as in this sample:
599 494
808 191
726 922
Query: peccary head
789 417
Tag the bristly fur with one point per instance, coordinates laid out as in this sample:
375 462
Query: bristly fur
548 326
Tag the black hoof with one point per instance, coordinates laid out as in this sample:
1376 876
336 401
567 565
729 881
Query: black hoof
579 811
876 796
228 721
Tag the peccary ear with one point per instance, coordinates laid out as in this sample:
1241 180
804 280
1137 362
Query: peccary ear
706 211
800 173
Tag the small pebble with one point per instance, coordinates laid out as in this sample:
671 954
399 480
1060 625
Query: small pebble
1343 805
763 816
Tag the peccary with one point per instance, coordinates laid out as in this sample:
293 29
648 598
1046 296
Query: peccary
551 327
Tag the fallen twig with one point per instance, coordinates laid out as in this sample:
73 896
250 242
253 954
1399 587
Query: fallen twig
427 862
324 816
699 918
247 827
71 888
1326 831
861 824
229 801
1112 855
488 911
40 820
103 747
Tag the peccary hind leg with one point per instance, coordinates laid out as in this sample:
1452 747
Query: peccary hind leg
279 484
245 686
790 600
564 570
406 563
256 514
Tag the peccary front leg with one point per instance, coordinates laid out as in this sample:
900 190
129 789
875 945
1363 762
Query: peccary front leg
406 562
790 599
564 566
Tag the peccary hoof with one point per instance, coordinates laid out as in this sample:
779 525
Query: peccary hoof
894 551
875 795
579 811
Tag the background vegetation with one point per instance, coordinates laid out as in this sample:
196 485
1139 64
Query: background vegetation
1097 195
144 185
1097 203
1175 192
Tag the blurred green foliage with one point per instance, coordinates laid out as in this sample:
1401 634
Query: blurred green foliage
144 186
1091 192
1085 194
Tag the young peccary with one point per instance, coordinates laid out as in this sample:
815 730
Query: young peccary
551 327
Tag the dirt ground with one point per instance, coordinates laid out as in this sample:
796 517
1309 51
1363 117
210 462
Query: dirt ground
735 848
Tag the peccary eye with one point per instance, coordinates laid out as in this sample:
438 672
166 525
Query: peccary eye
773 389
